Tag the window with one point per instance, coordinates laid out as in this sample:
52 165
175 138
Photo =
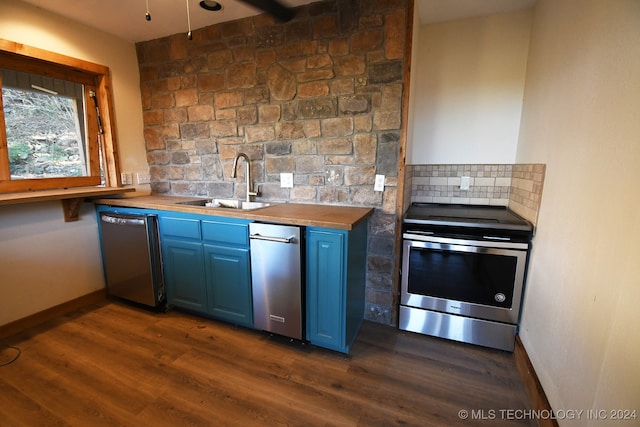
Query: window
56 126
44 124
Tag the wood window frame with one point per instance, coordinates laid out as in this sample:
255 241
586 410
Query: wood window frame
94 77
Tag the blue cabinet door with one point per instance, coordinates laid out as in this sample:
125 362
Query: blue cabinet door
184 274
229 284
326 289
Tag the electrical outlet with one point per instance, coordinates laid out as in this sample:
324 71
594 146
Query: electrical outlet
286 180
143 178
379 184
465 182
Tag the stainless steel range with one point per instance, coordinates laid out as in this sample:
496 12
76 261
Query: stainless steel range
463 272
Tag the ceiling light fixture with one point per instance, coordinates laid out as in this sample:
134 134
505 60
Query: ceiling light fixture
189 35
210 5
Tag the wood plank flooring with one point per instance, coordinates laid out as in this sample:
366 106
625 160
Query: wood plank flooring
113 364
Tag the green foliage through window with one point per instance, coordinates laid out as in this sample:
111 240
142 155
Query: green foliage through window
44 135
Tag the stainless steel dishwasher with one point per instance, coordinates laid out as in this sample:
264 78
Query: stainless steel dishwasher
277 279
131 257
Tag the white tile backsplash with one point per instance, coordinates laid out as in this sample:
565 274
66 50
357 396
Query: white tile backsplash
489 184
453 182
517 186
438 181
503 182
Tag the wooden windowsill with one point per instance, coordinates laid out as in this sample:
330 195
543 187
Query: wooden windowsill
71 197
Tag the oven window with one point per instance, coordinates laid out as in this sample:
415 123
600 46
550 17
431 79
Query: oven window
462 276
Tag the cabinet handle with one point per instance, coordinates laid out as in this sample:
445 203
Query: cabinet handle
122 221
273 239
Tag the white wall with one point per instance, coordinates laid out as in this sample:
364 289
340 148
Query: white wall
468 91
413 83
43 260
581 116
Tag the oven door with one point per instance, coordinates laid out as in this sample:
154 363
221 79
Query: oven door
468 278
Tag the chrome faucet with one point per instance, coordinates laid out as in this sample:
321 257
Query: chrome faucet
247 174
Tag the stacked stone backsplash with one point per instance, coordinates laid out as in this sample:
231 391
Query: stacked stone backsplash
319 96
517 186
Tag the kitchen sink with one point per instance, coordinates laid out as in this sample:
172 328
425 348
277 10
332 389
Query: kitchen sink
254 205
226 204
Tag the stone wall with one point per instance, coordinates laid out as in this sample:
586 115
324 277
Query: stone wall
319 96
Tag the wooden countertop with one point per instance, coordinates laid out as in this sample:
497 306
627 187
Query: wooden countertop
329 216
71 198
60 194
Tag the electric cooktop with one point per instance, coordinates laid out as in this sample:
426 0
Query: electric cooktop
477 216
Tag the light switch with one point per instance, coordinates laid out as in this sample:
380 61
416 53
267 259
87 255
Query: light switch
286 180
379 184
126 178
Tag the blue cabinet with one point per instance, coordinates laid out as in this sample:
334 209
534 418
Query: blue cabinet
184 274
336 275
325 275
207 265
182 257
206 261
229 284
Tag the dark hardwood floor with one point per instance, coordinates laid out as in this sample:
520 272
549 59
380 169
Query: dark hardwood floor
118 365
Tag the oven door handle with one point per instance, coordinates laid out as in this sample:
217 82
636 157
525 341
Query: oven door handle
408 237
504 239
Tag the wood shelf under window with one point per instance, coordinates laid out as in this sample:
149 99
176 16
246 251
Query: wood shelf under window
71 198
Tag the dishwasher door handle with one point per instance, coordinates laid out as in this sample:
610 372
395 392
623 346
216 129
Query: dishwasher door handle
122 221
291 239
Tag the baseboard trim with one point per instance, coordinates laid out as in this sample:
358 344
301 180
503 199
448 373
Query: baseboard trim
534 389
43 316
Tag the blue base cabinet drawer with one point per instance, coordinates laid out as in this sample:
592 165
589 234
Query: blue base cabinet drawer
225 232
336 275
180 227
